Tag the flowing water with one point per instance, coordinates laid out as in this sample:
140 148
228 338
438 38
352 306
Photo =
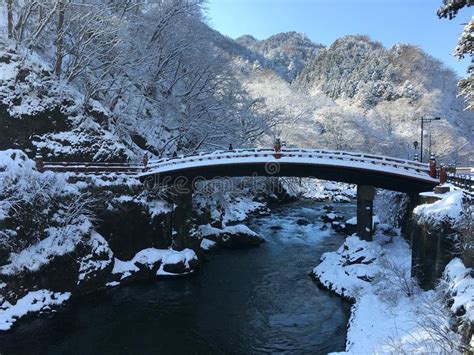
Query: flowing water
258 300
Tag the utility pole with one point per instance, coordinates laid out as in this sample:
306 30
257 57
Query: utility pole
421 141
423 120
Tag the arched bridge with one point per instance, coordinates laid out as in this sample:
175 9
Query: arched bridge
355 168
367 171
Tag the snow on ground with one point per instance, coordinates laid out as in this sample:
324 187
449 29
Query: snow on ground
390 314
151 257
34 301
449 207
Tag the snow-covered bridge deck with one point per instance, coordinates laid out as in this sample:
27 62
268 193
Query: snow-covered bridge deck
356 168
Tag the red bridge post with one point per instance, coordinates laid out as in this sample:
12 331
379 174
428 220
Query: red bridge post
443 176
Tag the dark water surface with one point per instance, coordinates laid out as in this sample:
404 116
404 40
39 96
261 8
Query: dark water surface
242 302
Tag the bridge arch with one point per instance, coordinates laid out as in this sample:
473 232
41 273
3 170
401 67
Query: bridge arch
367 171
354 168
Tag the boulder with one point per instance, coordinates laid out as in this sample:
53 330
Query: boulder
181 267
339 227
302 222
238 236
331 217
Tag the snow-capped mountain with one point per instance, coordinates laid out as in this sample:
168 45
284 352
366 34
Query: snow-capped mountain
356 95
286 53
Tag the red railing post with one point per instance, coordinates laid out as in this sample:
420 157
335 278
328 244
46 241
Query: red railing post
39 163
443 176
277 147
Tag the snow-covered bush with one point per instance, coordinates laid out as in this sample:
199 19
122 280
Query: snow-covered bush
432 330
396 279
35 206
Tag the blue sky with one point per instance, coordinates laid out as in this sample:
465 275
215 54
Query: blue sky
386 21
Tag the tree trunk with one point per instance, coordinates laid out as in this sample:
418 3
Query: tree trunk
59 39
10 18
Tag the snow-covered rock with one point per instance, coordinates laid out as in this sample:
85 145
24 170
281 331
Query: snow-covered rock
237 236
32 302
447 209
331 217
207 244
98 260
160 262
460 287
458 284
352 265
240 209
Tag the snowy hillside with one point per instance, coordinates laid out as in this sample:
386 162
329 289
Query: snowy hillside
288 52
192 89
40 114
358 95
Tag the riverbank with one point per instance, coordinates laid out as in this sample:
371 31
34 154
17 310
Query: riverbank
390 312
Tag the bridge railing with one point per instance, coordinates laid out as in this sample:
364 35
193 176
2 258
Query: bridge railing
408 165
465 182
90 167
323 154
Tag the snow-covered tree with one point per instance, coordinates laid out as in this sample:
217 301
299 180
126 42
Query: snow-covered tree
465 46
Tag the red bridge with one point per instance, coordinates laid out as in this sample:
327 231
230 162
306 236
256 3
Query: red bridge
355 168
367 171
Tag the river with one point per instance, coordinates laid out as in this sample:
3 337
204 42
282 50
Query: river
258 300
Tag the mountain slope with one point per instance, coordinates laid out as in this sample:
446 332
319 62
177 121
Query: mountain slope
288 52
358 95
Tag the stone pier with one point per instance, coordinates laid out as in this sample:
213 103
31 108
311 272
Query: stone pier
365 206
182 217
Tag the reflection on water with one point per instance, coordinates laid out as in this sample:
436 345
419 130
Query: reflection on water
243 301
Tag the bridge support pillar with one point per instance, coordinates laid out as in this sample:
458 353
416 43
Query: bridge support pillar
182 217
365 206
